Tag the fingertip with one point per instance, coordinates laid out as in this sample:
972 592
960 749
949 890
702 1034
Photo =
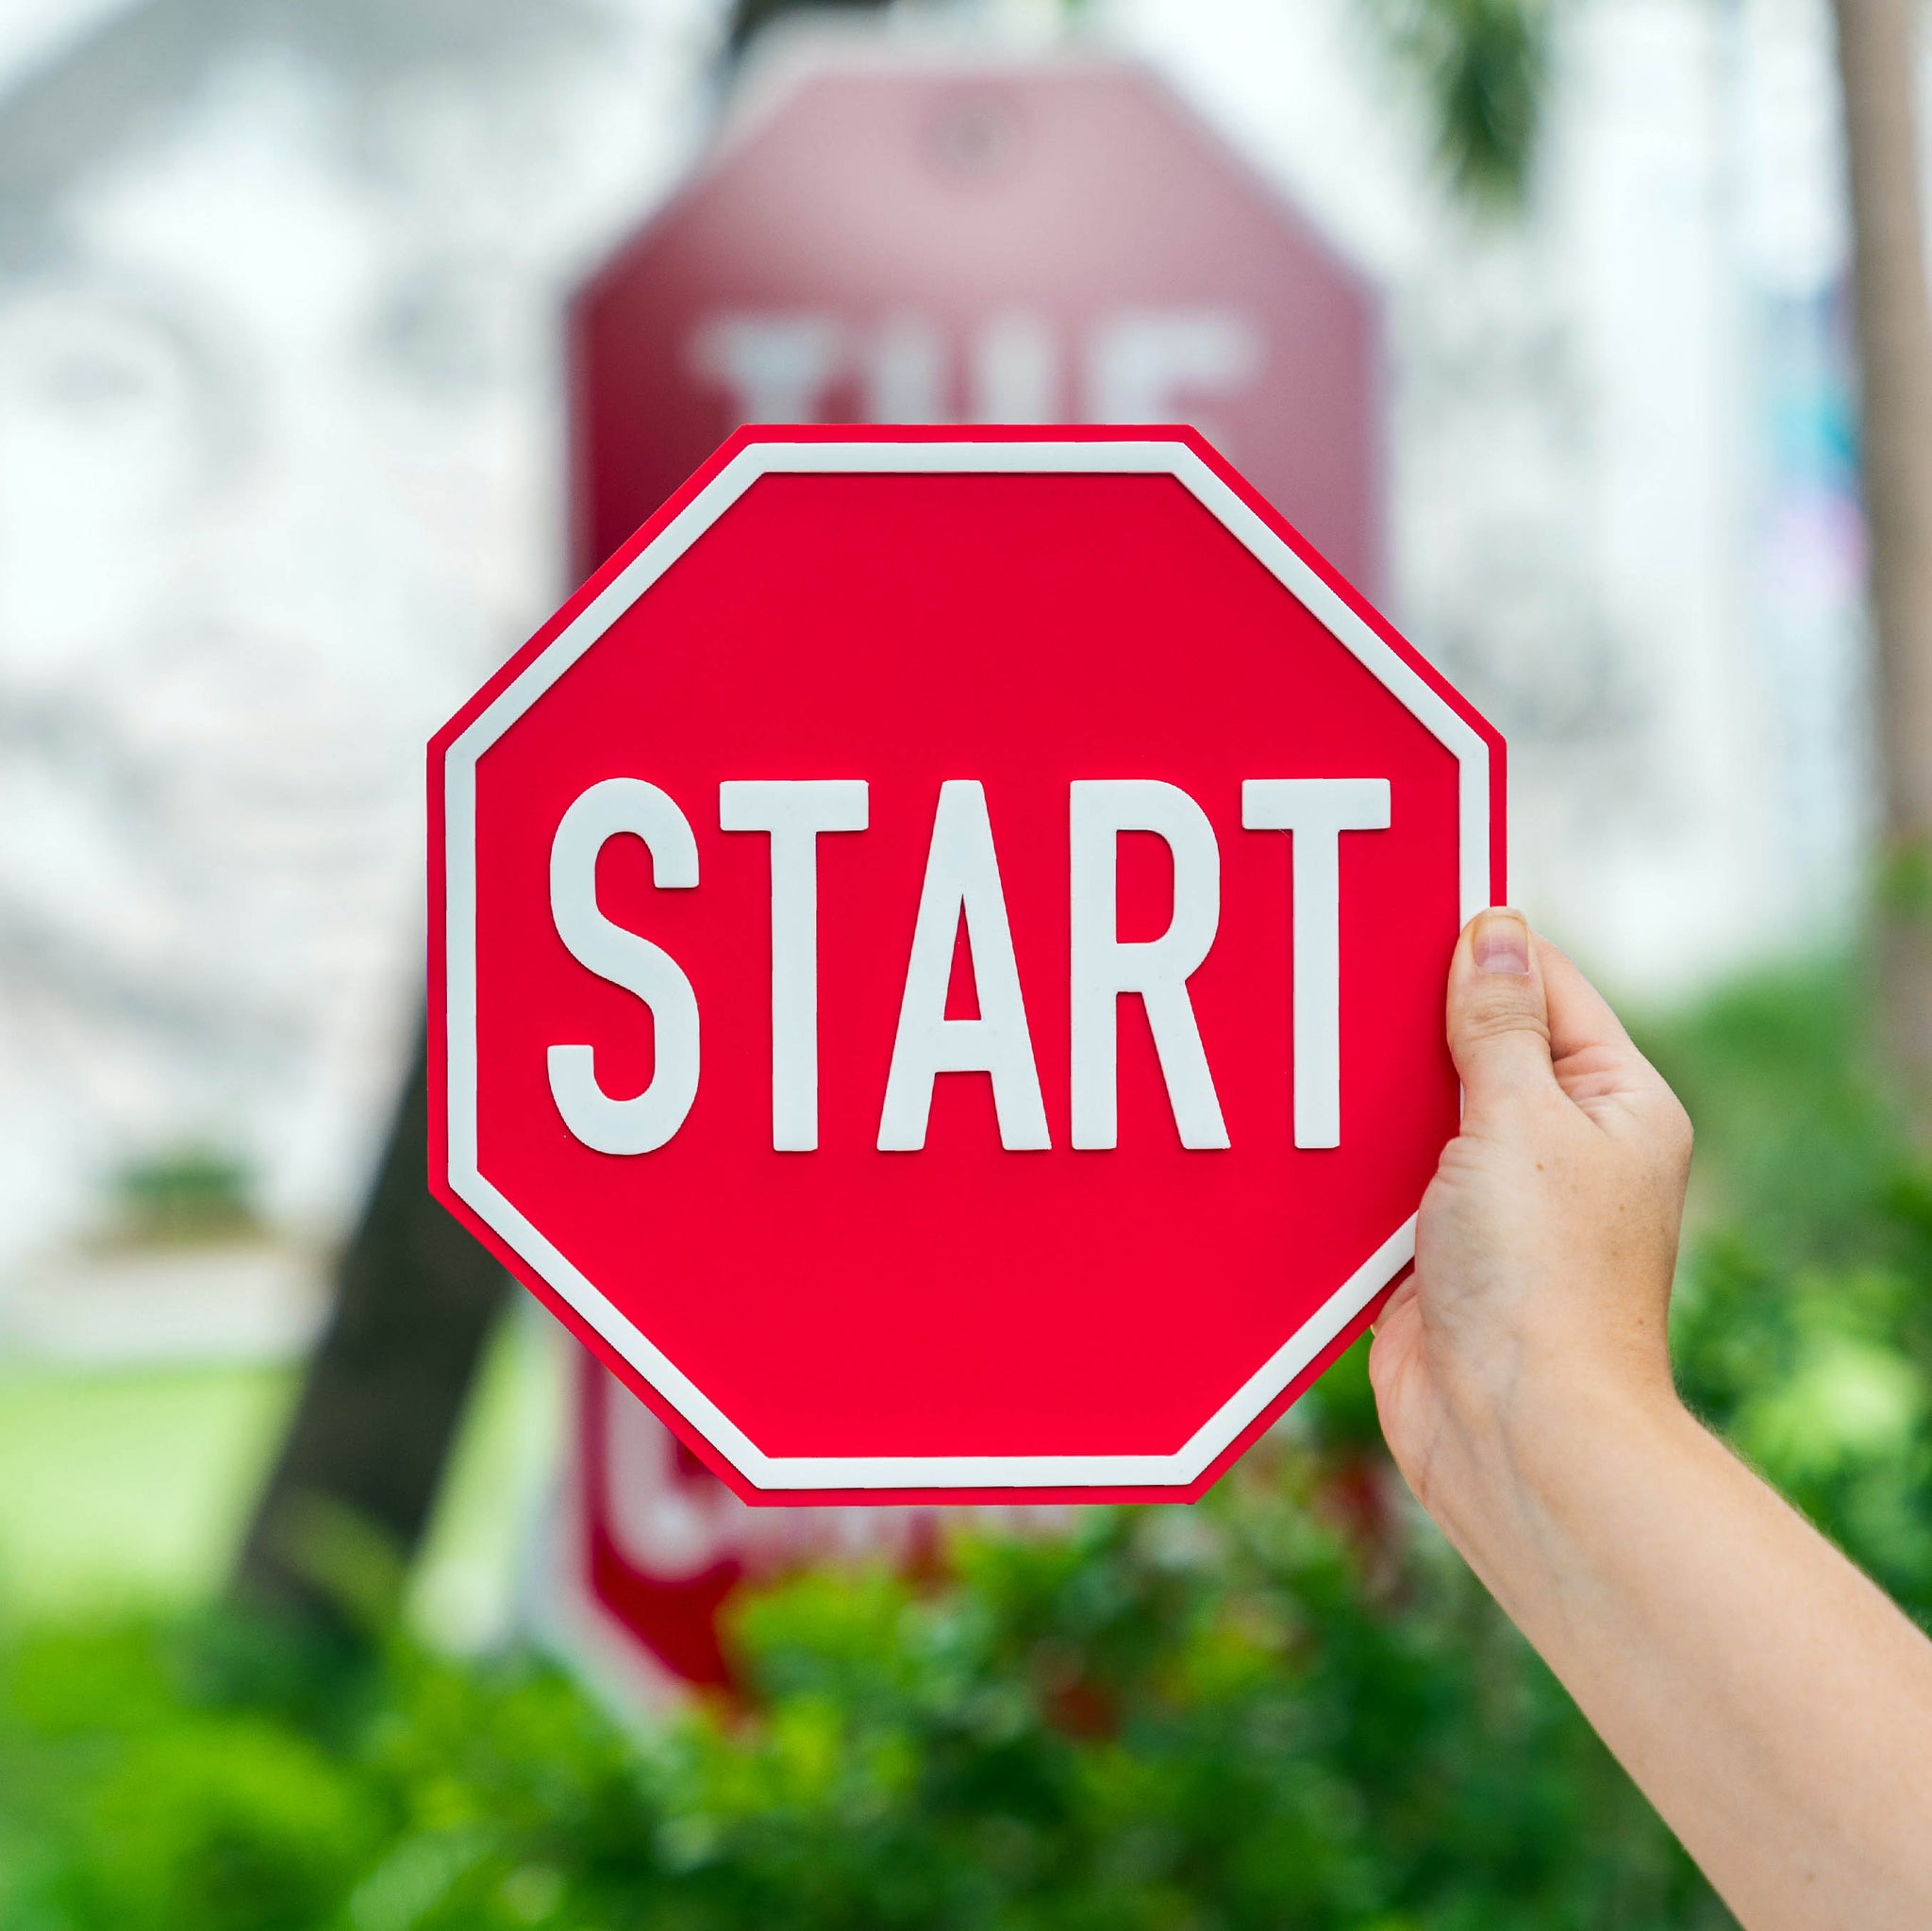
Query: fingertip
1497 1016
1499 943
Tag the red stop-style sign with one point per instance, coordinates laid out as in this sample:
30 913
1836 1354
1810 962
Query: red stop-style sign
939 959
891 239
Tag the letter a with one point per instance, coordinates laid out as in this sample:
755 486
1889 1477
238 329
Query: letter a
962 880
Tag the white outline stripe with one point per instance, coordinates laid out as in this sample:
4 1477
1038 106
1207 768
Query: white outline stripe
805 1473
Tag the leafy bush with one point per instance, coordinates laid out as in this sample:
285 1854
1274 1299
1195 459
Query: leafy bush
1290 1706
1172 1719
1803 1326
182 1196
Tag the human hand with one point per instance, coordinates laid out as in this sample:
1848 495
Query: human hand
1762 1694
1547 1239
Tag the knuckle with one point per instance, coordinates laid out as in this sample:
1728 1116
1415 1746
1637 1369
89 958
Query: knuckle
1671 1127
1497 1022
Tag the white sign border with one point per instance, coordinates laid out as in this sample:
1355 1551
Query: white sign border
1140 457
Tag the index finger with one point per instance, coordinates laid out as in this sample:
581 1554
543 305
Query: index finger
1593 1055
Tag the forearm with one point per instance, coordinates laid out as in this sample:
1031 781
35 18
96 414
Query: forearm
1772 1704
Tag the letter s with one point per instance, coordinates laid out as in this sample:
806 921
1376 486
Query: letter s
641 1124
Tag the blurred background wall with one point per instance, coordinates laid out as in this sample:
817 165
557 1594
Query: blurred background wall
278 480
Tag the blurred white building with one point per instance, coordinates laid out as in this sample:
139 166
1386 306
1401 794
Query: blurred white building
278 484
280 481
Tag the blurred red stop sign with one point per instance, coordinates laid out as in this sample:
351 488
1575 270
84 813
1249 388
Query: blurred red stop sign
896 240
939 960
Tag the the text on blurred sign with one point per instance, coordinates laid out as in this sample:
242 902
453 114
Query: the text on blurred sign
887 241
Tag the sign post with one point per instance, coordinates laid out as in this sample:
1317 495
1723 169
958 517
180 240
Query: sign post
939 961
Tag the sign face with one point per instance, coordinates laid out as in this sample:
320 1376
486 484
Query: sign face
938 961
886 239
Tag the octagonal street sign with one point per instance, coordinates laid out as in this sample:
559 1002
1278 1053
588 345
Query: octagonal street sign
938 956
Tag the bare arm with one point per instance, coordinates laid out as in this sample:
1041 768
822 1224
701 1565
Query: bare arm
1769 1699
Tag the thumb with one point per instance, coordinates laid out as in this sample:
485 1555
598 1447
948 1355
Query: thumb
1499 1016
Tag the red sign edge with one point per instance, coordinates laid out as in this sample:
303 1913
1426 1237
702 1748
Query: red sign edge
438 963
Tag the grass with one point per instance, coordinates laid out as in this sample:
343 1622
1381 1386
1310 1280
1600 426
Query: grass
123 1487
128 1489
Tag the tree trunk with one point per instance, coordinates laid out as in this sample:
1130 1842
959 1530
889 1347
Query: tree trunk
350 1493
749 18
1877 46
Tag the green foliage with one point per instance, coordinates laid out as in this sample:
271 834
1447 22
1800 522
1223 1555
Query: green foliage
1481 66
1802 1327
185 1194
1169 1718
1194 1719
1796 1141
1290 1706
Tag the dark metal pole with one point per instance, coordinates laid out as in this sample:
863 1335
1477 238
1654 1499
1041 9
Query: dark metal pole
385 1391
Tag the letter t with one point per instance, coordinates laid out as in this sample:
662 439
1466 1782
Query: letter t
1316 812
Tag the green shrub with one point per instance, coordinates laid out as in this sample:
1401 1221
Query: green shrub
184 1196
1171 1719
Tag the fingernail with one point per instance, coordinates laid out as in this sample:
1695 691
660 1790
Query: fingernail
1502 943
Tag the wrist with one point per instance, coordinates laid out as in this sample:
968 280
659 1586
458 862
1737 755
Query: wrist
1516 1475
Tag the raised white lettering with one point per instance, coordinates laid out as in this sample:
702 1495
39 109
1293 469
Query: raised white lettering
794 813
1099 810
1316 812
962 880
644 1123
